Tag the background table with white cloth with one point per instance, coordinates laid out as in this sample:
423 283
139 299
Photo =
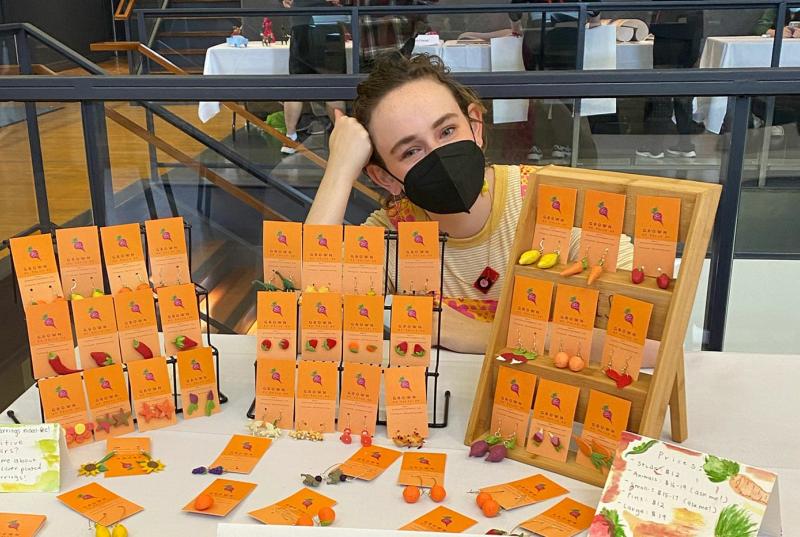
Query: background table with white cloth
740 406
738 51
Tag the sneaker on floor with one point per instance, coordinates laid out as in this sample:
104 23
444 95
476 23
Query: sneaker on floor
319 126
535 154
683 152
288 150
561 151
777 130
649 153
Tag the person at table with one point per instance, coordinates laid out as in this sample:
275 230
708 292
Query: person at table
766 23
420 136
304 59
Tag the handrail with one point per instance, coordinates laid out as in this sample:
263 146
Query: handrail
36 69
123 11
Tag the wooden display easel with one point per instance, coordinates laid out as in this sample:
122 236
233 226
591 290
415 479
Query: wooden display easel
650 394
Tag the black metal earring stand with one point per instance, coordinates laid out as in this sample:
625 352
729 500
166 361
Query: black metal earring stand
201 295
389 237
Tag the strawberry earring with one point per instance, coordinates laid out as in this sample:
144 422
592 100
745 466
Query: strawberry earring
663 279
366 438
346 437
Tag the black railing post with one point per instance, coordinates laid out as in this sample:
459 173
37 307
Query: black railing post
98 163
355 34
723 239
34 141
129 53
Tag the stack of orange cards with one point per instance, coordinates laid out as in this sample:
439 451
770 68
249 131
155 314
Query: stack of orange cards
99 504
419 257
64 401
166 246
656 234
124 257
406 401
603 218
422 469
198 383
322 257
606 419
287 511
96 330
553 414
180 318
227 494
626 332
369 462
358 402
152 393
276 325
275 380
127 456
412 326
242 453
50 338
315 406
513 397
573 321
441 520
321 332
363 329
20 525
555 215
283 252
565 519
36 269
530 313
527 491
364 258
80 261
137 324
108 401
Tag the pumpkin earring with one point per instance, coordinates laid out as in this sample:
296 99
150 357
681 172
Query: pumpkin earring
577 363
561 359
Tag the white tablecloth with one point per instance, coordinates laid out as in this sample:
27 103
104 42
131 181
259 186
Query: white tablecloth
742 407
739 51
635 55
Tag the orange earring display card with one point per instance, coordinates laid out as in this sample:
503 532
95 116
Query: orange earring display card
565 519
242 453
321 332
99 504
513 397
530 314
64 401
315 408
180 319
406 401
96 331
363 329
227 494
441 520
276 325
138 325
411 330
107 391
358 404
36 269
198 382
553 414
152 393
527 491
555 215
364 258
369 462
606 419
656 234
419 257
283 252
275 379
628 322
322 257
50 338
124 258
603 218
573 321
287 511
80 261
166 246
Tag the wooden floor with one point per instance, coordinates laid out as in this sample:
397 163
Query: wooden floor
65 159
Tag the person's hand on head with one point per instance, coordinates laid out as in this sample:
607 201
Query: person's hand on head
350 146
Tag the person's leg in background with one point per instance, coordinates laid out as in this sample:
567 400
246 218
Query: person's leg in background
682 107
291 115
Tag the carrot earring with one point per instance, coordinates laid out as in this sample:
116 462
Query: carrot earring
597 269
578 266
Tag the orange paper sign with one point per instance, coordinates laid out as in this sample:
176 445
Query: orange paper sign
406 401
419 257
99 504
412 326
369 462
422 469
603 217
276 325
316 396
96 330
513 397
227 494
442 520
555 215
363 329
124 257
364 258
64 401
107 391
287 511
628 322
166 246
321 334
565 519
242 453
553 412
283 252
137 324
530 314
656 234
180 319
127 456
80 261
275 380
358 403
527 491
152 393
606 419
19 525
322 257
36 269
50 338
573 321
198 381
